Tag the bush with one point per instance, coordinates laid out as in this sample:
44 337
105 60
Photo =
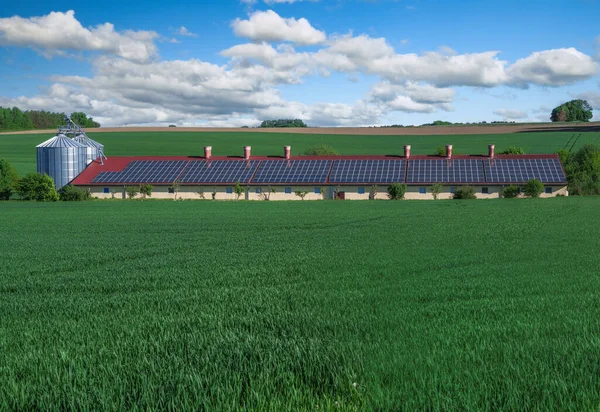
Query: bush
321 150
396 191
132 191
373 192
514 150
8 179
34 186
465 192
533 188
435 190
238 189
146 190
73 194
511 191
440 151
301 193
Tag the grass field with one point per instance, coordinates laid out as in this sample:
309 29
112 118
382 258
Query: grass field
445 305
20 149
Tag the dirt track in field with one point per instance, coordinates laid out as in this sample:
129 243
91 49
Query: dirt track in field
422 130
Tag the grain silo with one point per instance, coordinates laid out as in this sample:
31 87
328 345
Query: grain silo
61 158
94 150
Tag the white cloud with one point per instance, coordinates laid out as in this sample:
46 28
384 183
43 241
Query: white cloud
511 114
592 97
183 31
556 67
411 97
268 26
56 32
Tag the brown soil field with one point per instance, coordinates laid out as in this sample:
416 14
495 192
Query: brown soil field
420 130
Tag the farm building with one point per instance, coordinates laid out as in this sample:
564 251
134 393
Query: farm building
294 177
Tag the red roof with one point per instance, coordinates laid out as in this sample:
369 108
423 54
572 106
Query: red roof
119 163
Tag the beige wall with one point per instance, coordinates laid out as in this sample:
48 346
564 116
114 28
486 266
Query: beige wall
351 192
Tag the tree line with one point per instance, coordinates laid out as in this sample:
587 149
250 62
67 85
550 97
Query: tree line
15 119
283 123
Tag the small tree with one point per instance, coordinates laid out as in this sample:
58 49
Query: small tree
435 190
8 179
533 188
465 192
73 194
373 192
175 188
514 150
510 192
396 191
336 192
239 190
301 193
266 194
113 193
200 193
214 193
132 191
146 190
34 186
321 150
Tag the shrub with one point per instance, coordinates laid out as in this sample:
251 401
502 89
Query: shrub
146 190
440 151
238 189
175 187
73 194
8 179
465 192
200 194
396 191
511 191
373 192
533 188
301 193
435 190
321 150
514 150
34 186
132 191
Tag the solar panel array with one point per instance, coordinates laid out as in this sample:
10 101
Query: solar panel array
144 171
522 170
445 171
219 171
293 171
367 171
414 171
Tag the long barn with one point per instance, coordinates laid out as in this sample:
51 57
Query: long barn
323 177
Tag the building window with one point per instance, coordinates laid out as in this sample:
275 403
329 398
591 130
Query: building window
485 190
106 190
452 189
317 190
171 190
423 190
228 190
258 190
361 190
548 190
288 190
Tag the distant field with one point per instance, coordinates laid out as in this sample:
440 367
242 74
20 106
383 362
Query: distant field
441 305
20 149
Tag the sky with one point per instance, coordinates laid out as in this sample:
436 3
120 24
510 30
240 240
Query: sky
330 63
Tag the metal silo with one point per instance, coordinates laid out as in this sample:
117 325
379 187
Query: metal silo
93 148
62 159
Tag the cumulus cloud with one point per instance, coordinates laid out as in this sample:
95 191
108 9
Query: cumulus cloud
556 67
56 32
511 114
411 97
269 26
183 31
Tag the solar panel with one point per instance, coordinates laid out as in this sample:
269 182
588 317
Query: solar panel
293 171
445 171
367 171
522 170
219 171
144 171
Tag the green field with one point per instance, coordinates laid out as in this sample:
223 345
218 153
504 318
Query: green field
20 149
445 305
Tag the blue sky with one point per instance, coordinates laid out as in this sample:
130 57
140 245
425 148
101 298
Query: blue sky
329 62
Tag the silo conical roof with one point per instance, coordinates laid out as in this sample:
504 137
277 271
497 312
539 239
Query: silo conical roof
60 140
86 141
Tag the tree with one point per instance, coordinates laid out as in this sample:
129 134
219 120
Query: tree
435 190
396 191
132 191
8 179
34 186
283 123
583 170
510 192
321 150
533 188
301 193
573 111
239 190
146 190
82 120
465 192
373 192
514 150
175 188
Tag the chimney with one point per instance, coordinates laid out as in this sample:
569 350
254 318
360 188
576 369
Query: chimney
287 150
247 152
407 151
207 152
491 149
448 151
